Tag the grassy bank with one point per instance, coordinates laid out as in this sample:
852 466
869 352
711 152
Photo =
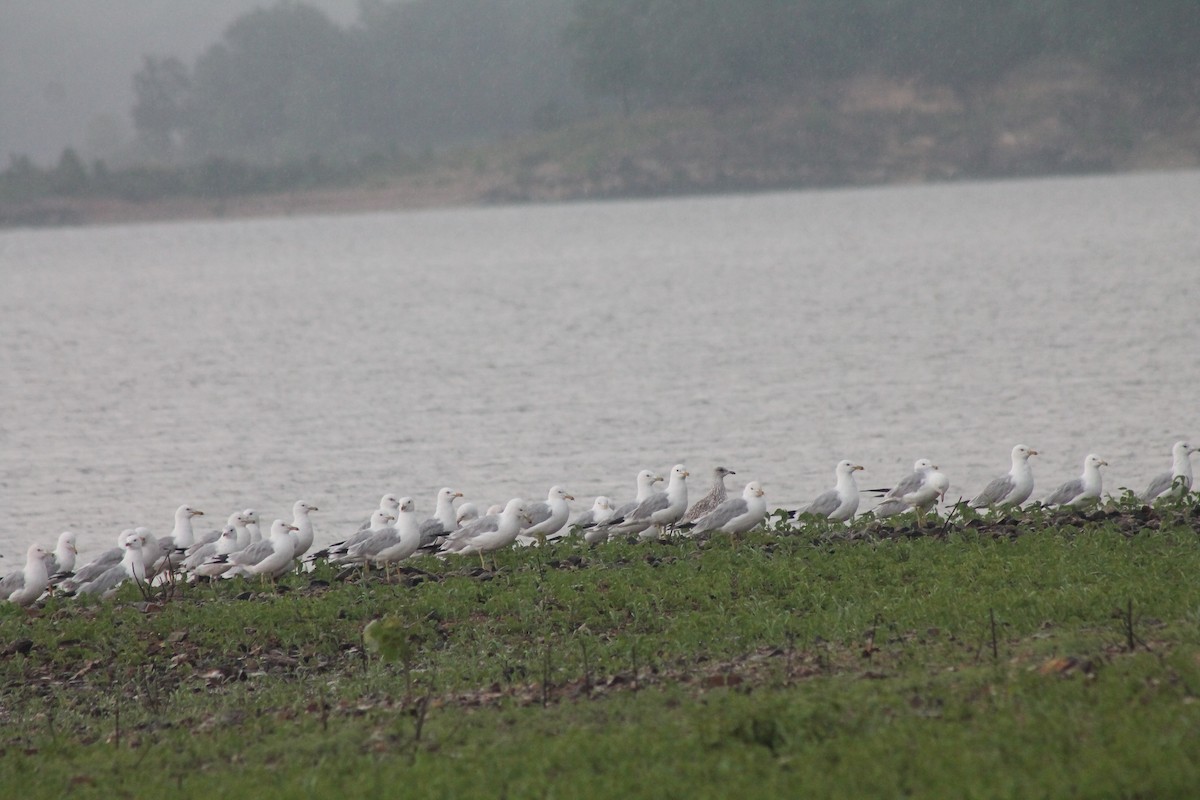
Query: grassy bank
1030 659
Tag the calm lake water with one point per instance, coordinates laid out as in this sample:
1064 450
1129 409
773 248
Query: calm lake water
503 350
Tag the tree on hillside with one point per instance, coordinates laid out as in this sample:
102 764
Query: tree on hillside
611 47
160 108
273 87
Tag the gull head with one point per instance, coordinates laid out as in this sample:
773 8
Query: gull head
447 494
1022 452
847 467
302 507
1096 461
679 471
406 504
720 472
753 489
922 464
251 516
602 503
558 492
36 551
1184 449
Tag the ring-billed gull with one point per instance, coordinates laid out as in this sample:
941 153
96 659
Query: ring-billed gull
490 533
736 516
1084 489
392 544
592 521
182 536
443 521
236 519
62 560
1011 489
660 509
467 512
303 525
251 524
389 504
546 518
716 495
100 564
198 562
26 585
921 489
268 558
131 566
839 503
1179 479
645 487
380 519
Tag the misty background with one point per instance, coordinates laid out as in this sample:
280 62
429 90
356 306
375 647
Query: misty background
67 66
204 97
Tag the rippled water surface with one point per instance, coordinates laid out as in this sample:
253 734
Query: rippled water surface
502 350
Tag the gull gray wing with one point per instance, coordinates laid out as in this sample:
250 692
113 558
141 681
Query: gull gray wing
720 516
890 507
372 547
825 504
105 582
431 529
99 566
538 513
625 510
994 492
655 502
253 554
466 533
199 555
914 481
585 520
12 582
1157 486
1065 493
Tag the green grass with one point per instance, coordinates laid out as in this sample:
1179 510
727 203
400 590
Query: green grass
786 666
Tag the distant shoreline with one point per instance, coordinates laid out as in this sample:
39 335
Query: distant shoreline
1058 119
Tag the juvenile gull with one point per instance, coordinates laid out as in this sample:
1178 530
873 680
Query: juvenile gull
839 503
490 533
660 509
736 516
546 518
1179 479
1011 489
26 585
716 495
1084 489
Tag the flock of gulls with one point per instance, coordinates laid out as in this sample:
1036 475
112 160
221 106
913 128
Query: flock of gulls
395 532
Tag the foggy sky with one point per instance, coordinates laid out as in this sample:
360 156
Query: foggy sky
66 66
